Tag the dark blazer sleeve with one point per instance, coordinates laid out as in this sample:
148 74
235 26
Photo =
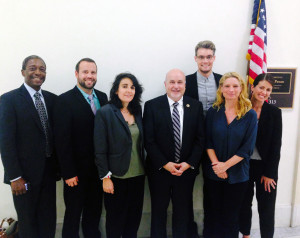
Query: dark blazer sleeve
63 138
151 146
269 139
8 142
101 144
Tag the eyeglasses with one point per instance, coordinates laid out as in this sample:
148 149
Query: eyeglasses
202 57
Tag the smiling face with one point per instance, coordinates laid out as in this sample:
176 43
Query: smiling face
175 84
34 73
205 60
262 91
231 89
86 75
126 91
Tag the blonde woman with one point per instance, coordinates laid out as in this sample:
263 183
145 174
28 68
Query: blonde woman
231 127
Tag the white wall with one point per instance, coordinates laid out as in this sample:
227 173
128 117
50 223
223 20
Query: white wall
147 38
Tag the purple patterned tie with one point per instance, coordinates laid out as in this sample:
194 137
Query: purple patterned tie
93 106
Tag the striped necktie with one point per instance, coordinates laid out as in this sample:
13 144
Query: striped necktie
176 129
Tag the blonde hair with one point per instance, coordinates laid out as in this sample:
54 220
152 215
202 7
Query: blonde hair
244 104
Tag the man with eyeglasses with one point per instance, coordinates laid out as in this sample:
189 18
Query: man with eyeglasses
202 85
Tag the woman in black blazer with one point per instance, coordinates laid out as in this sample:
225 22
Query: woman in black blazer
264 161
118 138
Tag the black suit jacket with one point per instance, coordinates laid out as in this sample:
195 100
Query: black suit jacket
159 136
22 139
113 142
74 130
192 86
268 140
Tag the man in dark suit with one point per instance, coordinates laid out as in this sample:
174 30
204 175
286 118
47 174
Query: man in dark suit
174 141
26 143
74 115
202 85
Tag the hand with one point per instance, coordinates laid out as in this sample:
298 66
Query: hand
184 166
108 186
219 167
268 182
72 181
223 175
18 187
173 168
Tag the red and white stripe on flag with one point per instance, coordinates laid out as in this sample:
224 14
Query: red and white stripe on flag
258 41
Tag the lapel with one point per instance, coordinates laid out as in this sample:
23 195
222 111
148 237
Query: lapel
138 120
186 120
166 113
195 85
119 115
100 98
80 99
47 102
29 105
263 119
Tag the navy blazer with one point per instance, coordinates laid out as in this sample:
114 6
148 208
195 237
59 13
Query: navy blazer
22 138
268 142
159 135
113 143
192 86
74 130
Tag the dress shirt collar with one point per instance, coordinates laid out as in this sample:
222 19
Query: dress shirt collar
171 102
85 95
202 78
32 91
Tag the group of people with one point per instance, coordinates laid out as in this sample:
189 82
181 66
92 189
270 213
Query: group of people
98 147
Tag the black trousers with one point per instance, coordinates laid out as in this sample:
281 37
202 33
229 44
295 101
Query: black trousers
124 207
83 201
265 203
207 209
192 227
163 187
36 209
226 201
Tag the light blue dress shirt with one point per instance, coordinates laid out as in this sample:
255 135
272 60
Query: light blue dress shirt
86 96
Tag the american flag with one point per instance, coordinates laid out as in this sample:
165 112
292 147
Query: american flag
258 41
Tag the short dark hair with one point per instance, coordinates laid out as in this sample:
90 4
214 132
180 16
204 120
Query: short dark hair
264 76
206 44
134 106
86 60
25 61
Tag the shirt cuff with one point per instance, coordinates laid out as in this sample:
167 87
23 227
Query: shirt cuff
13 180
107 176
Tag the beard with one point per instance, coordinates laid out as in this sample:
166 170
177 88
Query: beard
82 84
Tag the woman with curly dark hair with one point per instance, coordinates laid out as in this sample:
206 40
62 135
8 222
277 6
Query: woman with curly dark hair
118 138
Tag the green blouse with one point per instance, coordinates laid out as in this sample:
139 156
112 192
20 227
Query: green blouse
136 167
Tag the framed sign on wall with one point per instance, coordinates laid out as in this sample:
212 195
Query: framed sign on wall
283 90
